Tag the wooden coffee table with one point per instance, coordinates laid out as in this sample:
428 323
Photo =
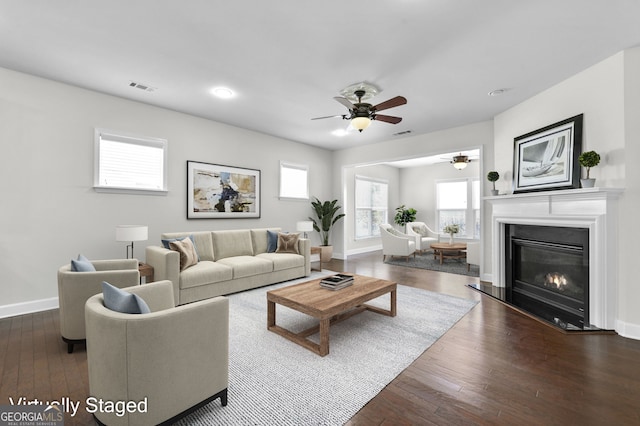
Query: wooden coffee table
328 306
449 251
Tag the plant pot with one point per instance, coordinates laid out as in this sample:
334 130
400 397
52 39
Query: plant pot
588 183
494 192
326 253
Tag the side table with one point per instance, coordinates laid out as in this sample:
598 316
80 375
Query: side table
316 250
146 272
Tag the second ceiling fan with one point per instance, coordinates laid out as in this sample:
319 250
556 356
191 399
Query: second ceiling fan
361 113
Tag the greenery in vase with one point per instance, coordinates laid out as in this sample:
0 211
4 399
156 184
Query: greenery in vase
588 160
327 216
492 177
404 216
452 229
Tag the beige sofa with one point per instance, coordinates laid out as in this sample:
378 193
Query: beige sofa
229 261
166 362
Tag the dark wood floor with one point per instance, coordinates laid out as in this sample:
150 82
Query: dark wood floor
495 366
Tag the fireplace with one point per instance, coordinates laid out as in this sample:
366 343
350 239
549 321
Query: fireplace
586 284
547 272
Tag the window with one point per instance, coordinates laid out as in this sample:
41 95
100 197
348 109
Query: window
371 206
294 182
458 202
125 163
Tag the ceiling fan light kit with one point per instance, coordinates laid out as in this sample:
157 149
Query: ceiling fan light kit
460 161
361 113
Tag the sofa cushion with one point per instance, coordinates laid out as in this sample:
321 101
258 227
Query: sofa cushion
201 241
282 261
167 241
122 301
287 243
188 255
205 272
246 266
232 243
82 264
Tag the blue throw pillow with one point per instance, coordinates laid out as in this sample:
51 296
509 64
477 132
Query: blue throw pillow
166 242
272 241
82 264
121 301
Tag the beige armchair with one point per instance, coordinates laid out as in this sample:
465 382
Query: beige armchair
395 243
74 288
473 254
422 234
172 360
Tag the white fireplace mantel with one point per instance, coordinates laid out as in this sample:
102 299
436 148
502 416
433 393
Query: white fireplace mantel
593 208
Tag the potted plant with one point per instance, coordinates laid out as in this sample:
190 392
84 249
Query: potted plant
588 160
326 216
492 177
404 216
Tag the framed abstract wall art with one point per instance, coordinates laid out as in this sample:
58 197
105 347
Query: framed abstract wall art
547 159
215 191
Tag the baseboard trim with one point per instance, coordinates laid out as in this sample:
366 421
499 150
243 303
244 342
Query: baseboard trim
363 250
28 307
628 330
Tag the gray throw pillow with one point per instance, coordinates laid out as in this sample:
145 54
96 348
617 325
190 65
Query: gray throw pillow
166 243
82 264
272 241
121 301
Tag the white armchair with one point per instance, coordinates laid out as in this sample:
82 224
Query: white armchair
473 254
395 243
422 234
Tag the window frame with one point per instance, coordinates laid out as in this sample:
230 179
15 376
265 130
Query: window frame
295 166
470 213
116 136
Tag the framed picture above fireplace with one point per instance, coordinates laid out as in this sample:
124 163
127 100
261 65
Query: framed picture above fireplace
547 159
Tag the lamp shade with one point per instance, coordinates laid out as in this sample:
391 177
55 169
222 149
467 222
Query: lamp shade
360 123
304 226
460 161
132 233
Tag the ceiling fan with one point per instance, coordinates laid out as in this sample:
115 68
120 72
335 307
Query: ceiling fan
361 113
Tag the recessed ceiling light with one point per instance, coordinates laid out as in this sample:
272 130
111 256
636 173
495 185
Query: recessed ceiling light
497 92
340 132
222 92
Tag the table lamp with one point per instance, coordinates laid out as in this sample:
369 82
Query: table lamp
131 233
304 226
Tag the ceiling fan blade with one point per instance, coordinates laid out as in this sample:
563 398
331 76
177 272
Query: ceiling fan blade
344 101
393 102
387 118
328 116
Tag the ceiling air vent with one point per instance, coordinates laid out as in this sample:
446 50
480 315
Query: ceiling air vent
404 132
142 86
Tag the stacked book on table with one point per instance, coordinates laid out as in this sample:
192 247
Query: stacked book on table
337 282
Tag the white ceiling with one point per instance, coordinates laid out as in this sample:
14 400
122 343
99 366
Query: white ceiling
287 59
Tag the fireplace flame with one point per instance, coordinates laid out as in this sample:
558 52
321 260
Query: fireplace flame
555 280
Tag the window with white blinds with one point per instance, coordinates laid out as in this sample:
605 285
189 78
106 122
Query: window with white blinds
125 163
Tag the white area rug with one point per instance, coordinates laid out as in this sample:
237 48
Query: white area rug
273 381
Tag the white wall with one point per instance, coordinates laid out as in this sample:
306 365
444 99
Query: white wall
50 212
608 94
